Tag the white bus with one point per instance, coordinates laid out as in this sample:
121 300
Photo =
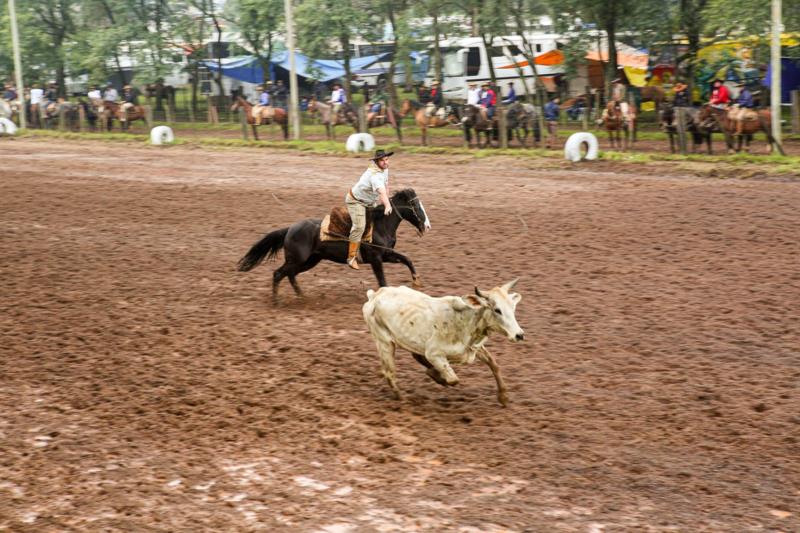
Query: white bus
466 60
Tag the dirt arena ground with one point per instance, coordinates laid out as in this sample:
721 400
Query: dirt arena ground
146 385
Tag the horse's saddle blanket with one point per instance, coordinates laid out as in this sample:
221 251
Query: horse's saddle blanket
336 226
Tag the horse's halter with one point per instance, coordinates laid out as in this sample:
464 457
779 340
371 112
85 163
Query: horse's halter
411 207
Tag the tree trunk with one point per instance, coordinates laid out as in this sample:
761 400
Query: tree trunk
344 39
390 87
437 52
488 46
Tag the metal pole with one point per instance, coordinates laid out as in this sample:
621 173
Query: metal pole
294 108
775 82
12 13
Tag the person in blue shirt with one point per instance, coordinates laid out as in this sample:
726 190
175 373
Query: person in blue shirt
264 97
743 109
551 112
512 94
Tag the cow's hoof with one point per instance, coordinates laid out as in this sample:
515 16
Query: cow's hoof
435 376
503 399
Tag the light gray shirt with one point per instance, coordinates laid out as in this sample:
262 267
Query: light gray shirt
366 190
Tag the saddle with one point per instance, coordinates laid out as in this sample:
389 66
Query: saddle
336 226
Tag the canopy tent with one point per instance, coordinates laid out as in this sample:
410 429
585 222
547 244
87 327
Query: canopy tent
632 60
248 68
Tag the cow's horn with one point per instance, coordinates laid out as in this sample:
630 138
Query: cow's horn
478 292
510 285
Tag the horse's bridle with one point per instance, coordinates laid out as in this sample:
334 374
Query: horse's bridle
400 214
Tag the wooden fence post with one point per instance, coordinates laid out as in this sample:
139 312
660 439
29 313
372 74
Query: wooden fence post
148 116
168 114
796 111
81 118
587 108
62 119
501 123
362 119
243 120
681 129
540 98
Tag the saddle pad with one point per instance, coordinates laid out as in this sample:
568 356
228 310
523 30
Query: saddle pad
336 226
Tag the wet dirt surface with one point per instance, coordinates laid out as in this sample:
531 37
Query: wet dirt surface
146 385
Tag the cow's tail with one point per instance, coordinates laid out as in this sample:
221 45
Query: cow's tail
266 248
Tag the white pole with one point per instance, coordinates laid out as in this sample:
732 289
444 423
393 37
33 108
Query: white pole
294 108
12 13
775 82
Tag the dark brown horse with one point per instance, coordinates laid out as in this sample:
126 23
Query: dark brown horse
743 131
472 119
265 115
303 248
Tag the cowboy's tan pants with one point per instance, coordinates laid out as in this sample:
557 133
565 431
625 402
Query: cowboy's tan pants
358 214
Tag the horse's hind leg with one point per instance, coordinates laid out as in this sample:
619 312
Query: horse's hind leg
310 263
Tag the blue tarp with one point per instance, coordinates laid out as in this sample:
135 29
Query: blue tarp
248 68
790 78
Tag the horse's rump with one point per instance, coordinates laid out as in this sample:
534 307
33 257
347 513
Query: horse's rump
336 226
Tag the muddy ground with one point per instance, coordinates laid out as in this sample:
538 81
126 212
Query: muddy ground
146 385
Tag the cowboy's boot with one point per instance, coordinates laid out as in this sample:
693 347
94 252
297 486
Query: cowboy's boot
352 254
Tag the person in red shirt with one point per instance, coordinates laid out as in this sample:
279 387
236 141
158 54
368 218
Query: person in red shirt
720 96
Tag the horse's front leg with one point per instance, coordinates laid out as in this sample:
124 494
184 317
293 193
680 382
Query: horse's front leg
391 256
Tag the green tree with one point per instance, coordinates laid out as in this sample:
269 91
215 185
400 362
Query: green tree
258 23
324 24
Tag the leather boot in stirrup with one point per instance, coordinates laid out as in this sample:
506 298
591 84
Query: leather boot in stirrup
352 254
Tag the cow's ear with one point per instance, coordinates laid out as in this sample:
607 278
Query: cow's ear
472 302
515 297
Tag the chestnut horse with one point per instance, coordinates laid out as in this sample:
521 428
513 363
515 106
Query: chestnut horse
346 115
742 131
617 119
425 122
108 111
274 115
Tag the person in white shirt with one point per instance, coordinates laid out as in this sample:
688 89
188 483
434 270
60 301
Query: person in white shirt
37 94
338 98
94 93
371 190
111 94
473 94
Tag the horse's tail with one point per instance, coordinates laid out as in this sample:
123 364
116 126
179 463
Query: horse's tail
266 248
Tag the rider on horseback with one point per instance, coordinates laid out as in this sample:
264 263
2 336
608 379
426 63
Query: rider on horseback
338 98
488 101
743 108
371 190
129 101
720 97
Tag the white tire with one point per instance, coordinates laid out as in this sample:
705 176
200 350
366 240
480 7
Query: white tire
7 127
360 142
161 135
572 149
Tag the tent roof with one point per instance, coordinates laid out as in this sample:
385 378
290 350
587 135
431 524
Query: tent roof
248 68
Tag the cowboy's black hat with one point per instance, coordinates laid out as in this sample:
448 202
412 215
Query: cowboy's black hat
380 154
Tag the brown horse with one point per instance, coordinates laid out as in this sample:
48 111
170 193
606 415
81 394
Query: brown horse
272 115
424 122
108 111
346 115
618 117
742 131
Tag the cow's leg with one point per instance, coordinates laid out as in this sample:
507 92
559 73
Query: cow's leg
386 353
432 372
442 366
391 256
486 357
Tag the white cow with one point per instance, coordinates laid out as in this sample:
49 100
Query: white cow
441 331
